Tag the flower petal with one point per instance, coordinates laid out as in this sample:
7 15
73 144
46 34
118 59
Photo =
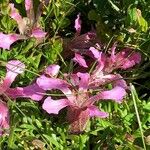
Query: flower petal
84 81
14 14
52 70
7 39
14 67
52 83
95 52
131 59
95 112
14 92
38 33
77 25
4 117
28 4
116 94
79 59
74 79
54 106
32 91
119 81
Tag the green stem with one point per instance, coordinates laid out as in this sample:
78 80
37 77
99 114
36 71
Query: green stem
135 97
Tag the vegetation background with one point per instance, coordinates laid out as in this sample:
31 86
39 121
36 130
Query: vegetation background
125 21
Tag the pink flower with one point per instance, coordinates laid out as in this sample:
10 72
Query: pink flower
124 59
78 99
15 67
24 23
4 118
82 42
26 26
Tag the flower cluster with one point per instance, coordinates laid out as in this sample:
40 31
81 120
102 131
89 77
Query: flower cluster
81 90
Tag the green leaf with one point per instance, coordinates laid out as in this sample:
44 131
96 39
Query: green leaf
19 1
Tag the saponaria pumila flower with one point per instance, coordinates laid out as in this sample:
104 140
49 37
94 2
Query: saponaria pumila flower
28 26
79 98
33 91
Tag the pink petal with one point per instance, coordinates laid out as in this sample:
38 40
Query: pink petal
14 13
14 92
98 79
94 112
79 59
77 25
28 4
4 117
14 67
7 39
127 59
52 83
100 65
54 106
116 94
38 33
32 91
18 18
52 70
119 81
134 59
95 52
84 81
74 79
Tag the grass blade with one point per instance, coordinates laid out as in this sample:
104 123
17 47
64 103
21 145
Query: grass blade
135 98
